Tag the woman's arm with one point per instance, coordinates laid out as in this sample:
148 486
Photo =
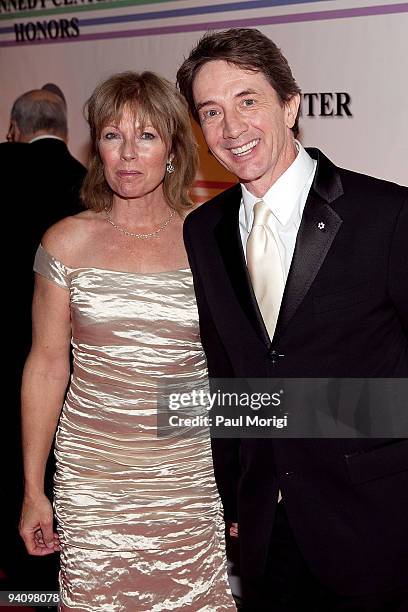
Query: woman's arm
45 379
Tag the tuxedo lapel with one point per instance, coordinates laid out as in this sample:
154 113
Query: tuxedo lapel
319 226
229 243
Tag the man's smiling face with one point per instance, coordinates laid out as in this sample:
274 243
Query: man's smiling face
245 125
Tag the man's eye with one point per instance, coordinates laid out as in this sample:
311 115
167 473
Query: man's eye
208 114
249 102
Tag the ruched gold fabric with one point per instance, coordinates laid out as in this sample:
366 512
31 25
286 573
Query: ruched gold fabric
139 516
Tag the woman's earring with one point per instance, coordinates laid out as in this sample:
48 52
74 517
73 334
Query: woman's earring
169 167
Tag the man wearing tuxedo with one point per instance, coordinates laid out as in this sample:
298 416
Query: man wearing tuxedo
300 270
41 184
39 118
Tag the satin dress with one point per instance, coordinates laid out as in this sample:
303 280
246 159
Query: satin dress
139 516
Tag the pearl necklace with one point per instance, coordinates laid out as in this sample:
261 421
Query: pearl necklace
134 234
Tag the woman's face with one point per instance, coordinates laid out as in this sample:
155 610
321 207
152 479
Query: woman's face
134 160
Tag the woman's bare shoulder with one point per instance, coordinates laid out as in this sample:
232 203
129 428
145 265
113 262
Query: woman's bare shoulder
67 238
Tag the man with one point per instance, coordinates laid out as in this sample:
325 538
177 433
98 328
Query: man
300 271
39 117
43 187
41 184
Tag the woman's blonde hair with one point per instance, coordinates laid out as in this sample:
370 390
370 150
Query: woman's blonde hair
154 100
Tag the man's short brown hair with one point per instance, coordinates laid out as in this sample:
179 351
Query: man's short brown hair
247 48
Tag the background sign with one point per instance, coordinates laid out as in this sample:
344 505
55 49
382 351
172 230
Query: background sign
348 56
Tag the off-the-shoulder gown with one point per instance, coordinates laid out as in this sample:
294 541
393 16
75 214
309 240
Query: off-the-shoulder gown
139 516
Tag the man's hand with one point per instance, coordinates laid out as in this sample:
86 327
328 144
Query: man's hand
36 524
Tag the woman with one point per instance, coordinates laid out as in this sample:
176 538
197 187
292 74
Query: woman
139 524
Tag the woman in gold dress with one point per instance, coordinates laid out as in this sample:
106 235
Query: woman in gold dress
139 517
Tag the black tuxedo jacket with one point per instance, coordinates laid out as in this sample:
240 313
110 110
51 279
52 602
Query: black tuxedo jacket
56 181
344 314
41 184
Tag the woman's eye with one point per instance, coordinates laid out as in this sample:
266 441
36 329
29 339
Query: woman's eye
110 135
148 136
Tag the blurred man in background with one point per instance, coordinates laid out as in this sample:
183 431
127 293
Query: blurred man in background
41 185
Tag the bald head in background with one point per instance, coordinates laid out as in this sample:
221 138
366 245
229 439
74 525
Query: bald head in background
38 112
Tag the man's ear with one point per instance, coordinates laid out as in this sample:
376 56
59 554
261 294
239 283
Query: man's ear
292 107
13 134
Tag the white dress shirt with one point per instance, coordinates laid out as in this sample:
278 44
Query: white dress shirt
286 200
45 136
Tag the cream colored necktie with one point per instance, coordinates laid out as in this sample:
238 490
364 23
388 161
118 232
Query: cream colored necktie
265 267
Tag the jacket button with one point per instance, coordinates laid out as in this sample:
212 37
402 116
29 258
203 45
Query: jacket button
274 355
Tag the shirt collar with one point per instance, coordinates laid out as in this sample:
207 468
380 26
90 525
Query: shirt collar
45 136
284 194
